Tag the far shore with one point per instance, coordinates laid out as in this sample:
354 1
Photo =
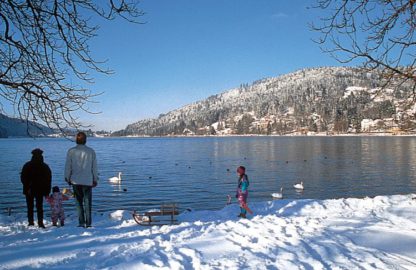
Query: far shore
294 134
368 134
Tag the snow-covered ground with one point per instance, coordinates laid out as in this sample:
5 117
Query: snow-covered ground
370 233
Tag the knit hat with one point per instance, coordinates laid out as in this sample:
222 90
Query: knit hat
37 152
55 189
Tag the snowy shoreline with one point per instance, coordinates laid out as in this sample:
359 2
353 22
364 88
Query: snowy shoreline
368 233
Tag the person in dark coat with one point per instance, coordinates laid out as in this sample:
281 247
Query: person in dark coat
36 177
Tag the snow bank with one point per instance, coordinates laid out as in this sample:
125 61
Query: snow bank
369 233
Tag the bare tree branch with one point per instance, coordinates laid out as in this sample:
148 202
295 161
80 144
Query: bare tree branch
380 33
44 51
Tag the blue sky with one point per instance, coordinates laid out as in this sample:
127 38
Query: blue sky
188 50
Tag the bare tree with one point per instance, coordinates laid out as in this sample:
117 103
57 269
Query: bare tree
380 33
45 57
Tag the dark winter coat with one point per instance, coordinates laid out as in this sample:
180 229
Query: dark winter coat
36 177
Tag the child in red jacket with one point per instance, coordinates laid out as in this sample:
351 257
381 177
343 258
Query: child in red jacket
55 200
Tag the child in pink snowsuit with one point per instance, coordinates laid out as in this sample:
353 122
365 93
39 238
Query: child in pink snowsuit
55 200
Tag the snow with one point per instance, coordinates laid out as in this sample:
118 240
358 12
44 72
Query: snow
377 94
353 90
367 233
368 125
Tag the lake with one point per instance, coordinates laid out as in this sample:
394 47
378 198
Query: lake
198 173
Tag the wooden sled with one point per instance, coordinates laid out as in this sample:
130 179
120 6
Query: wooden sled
166 216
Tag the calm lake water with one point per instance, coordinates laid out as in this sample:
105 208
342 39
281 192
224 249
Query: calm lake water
198 173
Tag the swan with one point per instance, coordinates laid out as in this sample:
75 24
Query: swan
228 199
278 195
298 186
115 179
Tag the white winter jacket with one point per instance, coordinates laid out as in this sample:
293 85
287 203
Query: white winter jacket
81 166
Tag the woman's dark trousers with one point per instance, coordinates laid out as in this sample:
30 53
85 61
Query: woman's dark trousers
30 202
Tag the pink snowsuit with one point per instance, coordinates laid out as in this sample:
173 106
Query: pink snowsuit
56 206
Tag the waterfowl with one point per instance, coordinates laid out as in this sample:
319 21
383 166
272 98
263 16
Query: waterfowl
228 199
299 186
115 179
278 195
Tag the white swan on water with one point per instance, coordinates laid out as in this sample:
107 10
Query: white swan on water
278 195
299 186
115 179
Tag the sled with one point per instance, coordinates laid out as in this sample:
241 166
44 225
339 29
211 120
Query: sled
167 215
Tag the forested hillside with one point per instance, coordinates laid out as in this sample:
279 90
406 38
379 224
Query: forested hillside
330 100
12 127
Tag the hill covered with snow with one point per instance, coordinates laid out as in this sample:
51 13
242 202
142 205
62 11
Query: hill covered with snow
328 99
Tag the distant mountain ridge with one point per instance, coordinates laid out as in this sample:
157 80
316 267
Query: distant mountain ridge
13 127
327 99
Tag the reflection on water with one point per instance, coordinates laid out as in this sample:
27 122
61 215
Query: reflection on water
198 173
